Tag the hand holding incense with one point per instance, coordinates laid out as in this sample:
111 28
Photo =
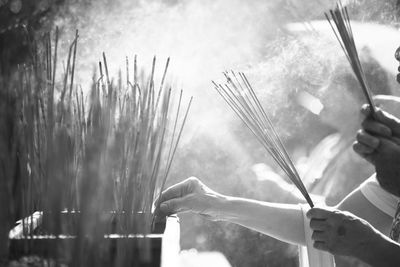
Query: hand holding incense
240 96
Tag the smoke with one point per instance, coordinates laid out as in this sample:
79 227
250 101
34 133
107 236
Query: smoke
201 37
204 38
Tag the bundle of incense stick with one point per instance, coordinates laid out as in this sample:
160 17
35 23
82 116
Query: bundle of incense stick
109 150
150 127
240 96
342 29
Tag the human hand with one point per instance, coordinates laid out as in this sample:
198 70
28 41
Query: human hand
190 195
382 125
379 143
341 233
385 124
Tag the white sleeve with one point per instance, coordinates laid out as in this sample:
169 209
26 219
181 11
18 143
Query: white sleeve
379 197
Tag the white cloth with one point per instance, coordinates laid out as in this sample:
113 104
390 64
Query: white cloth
309 256
379 197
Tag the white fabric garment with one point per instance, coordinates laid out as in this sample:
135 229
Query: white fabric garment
308 255
379 197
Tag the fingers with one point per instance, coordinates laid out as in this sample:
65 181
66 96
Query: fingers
178 190
385 118
367 139
365 152
387 146
321 225
174 191
319 236
172 206
318 213
318 224
376 128
320 245
388 119
362 149
366 145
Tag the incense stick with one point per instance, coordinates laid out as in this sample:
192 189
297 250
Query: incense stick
76 153
240 96
343 32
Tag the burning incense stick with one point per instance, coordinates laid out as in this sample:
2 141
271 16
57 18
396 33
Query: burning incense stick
240 96
342 29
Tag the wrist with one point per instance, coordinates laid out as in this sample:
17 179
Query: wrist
231 209
367 250
219 207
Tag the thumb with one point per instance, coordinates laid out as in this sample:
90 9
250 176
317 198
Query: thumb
173 206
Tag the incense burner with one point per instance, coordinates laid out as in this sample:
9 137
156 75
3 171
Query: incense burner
160 248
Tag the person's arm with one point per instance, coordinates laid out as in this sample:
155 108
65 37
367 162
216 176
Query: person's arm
342 233
281 221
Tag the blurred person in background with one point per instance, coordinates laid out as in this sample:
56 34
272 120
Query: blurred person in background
325 168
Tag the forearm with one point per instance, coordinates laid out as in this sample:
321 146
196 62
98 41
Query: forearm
381 252
281 221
